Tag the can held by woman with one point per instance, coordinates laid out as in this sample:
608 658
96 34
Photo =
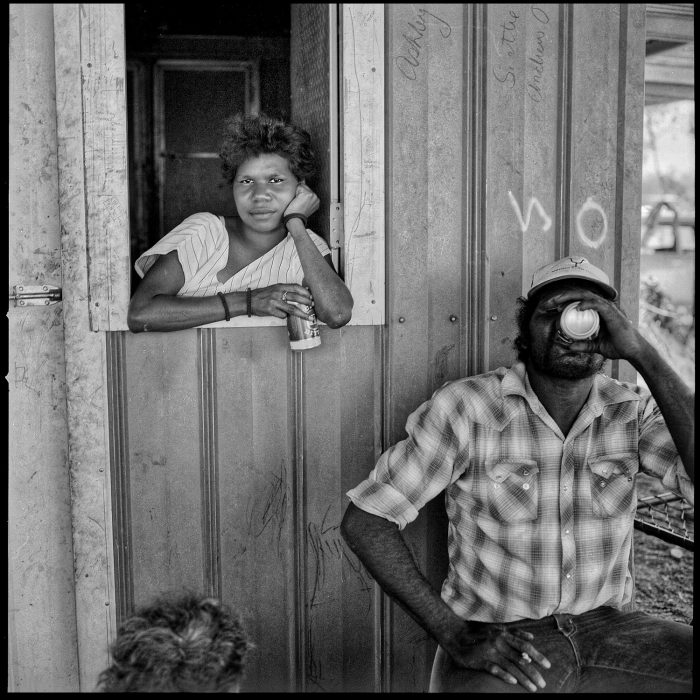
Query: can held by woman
303 333
578 325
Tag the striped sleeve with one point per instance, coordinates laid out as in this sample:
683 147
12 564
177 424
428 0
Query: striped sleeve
320 243
195 239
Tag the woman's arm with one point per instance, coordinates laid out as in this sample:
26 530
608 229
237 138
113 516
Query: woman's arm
155 305
332 299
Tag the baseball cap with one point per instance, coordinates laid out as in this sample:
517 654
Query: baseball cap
571 267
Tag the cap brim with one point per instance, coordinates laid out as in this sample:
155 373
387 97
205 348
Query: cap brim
608 291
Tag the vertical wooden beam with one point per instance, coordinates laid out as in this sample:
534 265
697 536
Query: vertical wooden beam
363 153
42 655
85 351
102 65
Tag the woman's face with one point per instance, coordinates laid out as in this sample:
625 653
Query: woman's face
262 189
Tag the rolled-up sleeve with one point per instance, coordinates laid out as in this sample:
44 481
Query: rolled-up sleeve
414 470
658 454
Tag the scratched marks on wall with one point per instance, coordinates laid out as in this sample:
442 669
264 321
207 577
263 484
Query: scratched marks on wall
330 570
267 511
591 220
325 550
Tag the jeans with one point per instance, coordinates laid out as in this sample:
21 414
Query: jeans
601 651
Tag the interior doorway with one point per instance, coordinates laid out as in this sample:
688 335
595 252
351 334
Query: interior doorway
187 70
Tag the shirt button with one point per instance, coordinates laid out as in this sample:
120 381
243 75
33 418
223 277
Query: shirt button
564 488
526 472
602 484
568 576
566 532
526 487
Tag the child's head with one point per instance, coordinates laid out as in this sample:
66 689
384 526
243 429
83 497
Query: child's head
183 643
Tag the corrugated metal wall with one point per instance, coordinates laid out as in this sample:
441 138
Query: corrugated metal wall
513 136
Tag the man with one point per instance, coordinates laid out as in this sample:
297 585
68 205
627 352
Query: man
538 465
179 643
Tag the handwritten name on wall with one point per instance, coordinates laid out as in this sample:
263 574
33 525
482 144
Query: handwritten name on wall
591 220
415 39
510 35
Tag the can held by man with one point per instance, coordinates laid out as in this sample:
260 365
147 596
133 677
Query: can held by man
575 324
303 333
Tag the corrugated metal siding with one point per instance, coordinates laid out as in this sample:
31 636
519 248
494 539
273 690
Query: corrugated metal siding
237 453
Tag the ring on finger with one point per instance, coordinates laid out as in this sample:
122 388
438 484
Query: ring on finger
526 657
284 296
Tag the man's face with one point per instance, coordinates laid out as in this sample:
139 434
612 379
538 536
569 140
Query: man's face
549 355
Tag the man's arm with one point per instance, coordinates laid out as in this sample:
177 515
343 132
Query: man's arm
382 549
675 400
619 339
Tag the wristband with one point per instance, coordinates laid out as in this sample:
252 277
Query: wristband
286 218
223 301
249 302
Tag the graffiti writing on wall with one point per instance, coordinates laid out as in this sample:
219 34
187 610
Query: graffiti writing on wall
506 41
412 46
591 220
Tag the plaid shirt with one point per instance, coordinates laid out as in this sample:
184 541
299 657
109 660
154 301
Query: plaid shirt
539 522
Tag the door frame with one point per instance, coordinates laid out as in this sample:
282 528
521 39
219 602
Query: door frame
94 219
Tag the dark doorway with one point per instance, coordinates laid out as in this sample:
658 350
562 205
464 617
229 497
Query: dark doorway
187 70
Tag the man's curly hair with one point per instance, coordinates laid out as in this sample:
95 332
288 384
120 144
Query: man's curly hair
247 136
523 313
183 643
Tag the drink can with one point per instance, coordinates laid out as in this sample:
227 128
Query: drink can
578 325
303 333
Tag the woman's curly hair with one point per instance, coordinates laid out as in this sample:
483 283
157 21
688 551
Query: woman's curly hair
186 643
247 136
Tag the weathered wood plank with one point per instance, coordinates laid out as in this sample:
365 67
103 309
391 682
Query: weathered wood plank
85 370
425 251
102 67
42 637
254 415
363 154
163 389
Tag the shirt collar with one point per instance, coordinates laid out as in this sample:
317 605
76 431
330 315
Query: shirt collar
604 392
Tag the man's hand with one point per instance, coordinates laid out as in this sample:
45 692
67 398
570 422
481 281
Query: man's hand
506 654
617 339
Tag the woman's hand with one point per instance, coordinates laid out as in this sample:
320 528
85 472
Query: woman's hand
507 654
305 202
273 300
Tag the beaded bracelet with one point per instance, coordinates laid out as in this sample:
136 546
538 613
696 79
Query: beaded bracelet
249 302
294 216
223 301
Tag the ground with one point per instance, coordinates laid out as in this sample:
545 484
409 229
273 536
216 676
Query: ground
664 572
664 577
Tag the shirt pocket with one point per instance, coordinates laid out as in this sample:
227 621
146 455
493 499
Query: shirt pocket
612 484
513 490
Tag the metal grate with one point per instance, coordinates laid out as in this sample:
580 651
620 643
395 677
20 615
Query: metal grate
667 516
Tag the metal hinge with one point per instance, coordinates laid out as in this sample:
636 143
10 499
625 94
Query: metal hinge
35 295
336 232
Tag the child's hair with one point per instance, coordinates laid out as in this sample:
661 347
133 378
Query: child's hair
179 643
247 136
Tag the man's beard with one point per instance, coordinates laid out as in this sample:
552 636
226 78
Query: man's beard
572 366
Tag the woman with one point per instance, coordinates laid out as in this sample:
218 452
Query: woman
210 268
